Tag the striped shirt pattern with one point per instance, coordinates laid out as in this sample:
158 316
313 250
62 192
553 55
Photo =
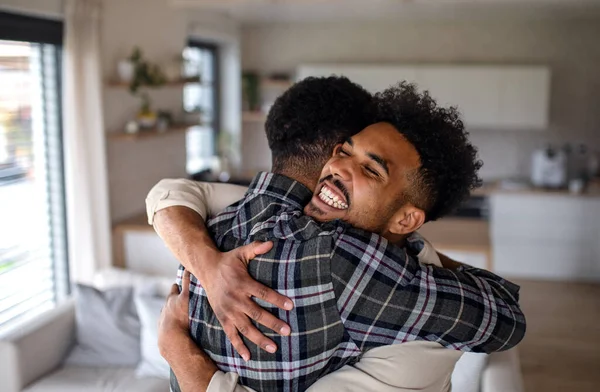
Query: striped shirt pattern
352 291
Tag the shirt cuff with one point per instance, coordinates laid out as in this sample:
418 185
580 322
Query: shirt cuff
226 382
172 199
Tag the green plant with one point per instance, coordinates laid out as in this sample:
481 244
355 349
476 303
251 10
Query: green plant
145 106
250 88
146 74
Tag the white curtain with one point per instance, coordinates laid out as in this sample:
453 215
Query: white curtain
85 151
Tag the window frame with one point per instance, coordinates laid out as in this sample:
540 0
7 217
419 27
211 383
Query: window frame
216 121
38 30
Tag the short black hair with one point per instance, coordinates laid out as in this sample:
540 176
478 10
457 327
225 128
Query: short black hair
311 117
449 164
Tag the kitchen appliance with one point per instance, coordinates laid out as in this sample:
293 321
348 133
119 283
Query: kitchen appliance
549 168
475 207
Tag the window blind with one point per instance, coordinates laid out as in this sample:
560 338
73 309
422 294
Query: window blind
33 238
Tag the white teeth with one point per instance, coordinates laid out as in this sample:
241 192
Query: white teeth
332 199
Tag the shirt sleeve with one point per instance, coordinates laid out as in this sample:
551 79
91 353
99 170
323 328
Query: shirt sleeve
428 254
385 296
226 382
412 366
207 199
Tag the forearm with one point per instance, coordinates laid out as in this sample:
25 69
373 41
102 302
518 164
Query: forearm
448 263
185 234
503 319
191 366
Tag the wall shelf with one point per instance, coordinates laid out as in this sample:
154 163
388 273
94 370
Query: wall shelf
276 83
149 133
172 83
255 117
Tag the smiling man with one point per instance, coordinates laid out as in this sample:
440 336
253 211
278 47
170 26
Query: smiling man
358 289
376 200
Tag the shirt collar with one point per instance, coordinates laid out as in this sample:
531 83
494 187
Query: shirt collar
415 243
279 186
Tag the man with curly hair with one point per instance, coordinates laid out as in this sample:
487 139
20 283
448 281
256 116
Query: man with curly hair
349 262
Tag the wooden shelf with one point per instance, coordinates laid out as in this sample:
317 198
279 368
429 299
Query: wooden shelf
172 83
254 117
150 133
276 83
137 222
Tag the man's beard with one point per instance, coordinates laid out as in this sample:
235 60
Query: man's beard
315 211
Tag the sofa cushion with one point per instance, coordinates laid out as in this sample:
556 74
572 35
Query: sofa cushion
152 363
98 379
142 284
468 371
107 328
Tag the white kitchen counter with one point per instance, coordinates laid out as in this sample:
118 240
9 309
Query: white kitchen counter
462 239
546 235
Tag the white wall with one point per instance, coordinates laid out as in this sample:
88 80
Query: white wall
42 8
161 31
569 47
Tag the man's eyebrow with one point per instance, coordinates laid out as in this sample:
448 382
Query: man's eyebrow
380 161
349 141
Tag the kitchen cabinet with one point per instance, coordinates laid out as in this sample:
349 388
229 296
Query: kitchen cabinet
548 236
372 77
474 90
489 97
596 257
524 94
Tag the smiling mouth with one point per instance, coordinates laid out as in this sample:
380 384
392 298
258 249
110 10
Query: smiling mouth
329 197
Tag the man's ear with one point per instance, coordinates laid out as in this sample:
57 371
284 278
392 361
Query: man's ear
336 149
406 220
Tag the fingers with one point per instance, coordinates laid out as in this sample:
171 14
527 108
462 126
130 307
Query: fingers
249 252
261 248
265 318
256 337
185 283
237 342
174 289
271 296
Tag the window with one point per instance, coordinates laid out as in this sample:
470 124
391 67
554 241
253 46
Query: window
201 99
33 249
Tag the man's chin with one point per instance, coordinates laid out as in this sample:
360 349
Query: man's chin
317 213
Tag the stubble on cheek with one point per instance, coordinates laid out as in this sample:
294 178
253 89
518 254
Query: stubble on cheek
314 211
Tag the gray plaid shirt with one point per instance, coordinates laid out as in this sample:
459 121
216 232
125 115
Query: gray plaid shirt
352 291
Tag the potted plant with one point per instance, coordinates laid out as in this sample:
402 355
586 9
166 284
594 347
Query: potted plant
146 74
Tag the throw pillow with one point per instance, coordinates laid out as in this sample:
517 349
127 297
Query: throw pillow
152 363
107 328
143 284
468 371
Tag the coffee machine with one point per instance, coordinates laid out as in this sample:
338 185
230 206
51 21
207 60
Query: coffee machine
549 168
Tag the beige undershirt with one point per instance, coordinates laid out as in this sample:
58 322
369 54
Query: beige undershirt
412 366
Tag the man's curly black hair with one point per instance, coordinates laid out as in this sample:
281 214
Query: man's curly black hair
311 117
449 163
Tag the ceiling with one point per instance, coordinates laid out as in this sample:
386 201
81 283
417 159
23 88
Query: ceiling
343 10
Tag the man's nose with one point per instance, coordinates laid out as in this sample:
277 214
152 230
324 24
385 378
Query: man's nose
341 168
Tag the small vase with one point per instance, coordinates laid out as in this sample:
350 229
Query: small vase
126 70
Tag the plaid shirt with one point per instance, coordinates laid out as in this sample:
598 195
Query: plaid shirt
352 291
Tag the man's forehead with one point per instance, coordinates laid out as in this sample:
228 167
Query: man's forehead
388 144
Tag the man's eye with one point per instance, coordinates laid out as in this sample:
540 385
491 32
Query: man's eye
343 152
371 171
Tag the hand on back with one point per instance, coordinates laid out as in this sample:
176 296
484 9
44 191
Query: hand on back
230 288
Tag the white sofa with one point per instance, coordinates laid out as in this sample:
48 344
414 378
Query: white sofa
31 360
